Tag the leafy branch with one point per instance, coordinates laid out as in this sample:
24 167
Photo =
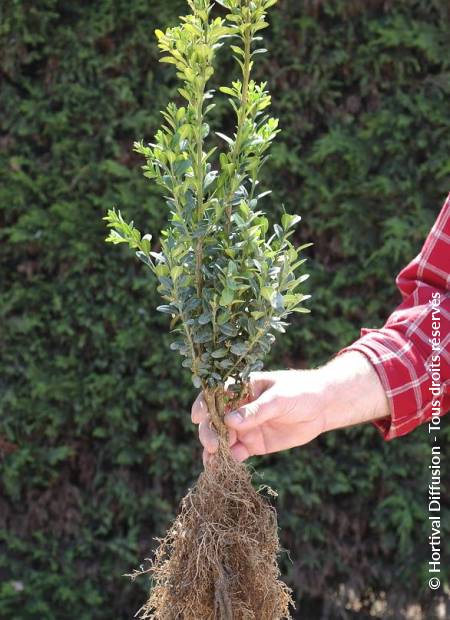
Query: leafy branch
228 288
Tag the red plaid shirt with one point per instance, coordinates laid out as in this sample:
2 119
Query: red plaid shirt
411 352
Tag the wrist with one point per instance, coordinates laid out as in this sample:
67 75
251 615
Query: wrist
352 391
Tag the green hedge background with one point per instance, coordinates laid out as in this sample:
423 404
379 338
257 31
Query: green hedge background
96 443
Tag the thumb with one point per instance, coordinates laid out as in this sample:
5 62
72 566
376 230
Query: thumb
253 414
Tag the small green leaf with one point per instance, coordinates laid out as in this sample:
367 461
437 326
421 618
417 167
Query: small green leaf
278 230
196 381
257 314
227 91
204 318
304 246
202 336
224 137
209 178
166 309
181 166
171 60
227 297
225 363
228 329
288 220
239 348
236 50
176 272
223 317
145 259
267 293
219 353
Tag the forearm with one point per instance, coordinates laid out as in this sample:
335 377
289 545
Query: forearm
353 393
412 348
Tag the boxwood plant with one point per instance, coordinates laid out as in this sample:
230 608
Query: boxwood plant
228 282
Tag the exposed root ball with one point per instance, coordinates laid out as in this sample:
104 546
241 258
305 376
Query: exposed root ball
218 561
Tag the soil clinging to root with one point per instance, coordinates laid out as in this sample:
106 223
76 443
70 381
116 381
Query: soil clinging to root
218 560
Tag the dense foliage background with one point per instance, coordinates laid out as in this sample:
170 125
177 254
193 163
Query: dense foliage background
96 443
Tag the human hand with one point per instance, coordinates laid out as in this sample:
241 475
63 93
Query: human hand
283 411
289 408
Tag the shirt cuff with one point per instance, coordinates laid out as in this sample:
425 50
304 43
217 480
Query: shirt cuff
394 360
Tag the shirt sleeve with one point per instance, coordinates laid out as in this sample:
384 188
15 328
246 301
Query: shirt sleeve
411 352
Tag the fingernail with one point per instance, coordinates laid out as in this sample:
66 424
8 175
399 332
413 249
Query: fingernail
235 417
212 447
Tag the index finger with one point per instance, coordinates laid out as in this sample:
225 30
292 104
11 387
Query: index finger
199 411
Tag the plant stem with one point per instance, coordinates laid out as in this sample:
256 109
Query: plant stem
215 401
176 201
242 115
195 354
200 182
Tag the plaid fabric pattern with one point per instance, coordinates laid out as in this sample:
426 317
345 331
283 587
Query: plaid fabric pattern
412 349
